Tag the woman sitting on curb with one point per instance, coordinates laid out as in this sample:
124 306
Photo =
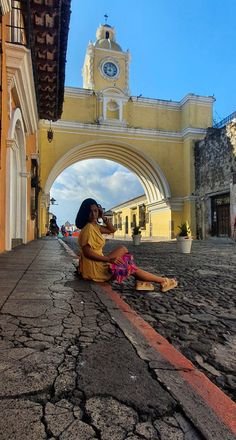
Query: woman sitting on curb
118 264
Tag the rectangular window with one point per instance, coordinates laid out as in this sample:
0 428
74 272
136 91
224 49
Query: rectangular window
142 219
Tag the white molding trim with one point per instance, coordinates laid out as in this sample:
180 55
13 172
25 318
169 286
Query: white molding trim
25 174
203 100
20 75
16 181
130 203
5 6
77 126
102 49
12 144
158 205
15 117
73 92
190 198
174 105
150 102
176 203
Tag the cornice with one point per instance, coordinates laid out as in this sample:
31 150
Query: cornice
130 203
161 205
5 6
117 52
197 99
73 127
73 92
150 102
176 203
174 105
20 73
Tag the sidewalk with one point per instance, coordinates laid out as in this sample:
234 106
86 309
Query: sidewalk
78 363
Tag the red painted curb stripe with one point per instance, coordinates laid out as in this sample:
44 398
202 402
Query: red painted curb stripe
221 404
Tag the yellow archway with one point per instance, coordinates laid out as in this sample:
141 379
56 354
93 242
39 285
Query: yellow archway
148 172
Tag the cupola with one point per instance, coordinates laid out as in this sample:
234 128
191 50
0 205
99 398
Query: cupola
105 38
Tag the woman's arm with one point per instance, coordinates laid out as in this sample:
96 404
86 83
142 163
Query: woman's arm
89 253
108 228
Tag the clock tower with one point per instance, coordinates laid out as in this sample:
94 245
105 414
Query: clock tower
106 66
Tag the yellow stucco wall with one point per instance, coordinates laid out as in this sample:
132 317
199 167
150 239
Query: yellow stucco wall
87 108
100 82
174 156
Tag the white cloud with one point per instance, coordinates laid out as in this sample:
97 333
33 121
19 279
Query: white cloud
107 182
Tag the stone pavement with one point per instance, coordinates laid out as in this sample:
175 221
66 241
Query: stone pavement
74 366
199 317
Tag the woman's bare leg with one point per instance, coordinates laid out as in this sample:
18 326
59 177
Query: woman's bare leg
142 275
165 283
118 252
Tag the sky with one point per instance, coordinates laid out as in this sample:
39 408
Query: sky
177 47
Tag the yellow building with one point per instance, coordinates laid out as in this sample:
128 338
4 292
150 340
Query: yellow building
32 86
132 213
152 138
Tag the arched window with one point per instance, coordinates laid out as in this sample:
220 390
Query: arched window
107 35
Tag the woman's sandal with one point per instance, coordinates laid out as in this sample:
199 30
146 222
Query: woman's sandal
144 285
168 284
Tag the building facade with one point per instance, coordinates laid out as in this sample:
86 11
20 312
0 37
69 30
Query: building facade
215 171
132 213
152 138
32 87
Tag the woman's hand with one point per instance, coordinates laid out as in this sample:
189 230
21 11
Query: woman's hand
100 212
116 260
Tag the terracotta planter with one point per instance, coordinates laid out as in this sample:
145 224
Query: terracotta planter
136 240
184 244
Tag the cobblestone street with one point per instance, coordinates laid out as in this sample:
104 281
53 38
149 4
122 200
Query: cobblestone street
78 363
199 317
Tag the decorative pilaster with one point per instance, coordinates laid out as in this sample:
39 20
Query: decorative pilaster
5 6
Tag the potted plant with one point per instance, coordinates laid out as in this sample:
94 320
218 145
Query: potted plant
136 235
184 238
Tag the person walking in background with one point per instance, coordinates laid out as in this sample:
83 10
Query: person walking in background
118 264
63 230
54 229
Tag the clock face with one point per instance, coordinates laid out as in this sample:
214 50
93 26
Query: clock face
110 69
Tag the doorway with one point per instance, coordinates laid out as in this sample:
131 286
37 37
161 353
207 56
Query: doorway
221 215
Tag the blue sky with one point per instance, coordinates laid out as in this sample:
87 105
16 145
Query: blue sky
177 47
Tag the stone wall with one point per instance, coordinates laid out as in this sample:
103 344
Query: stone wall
215 163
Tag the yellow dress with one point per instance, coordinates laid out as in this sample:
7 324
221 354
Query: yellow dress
90 269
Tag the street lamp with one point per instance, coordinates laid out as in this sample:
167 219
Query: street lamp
52 201
50 134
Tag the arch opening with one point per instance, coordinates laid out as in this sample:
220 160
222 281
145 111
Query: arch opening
148 172
108 182
16 185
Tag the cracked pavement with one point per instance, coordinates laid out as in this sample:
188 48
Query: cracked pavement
69 367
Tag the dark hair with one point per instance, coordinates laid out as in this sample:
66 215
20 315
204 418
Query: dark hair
82 217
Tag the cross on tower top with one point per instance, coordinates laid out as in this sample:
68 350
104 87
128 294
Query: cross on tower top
106 17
